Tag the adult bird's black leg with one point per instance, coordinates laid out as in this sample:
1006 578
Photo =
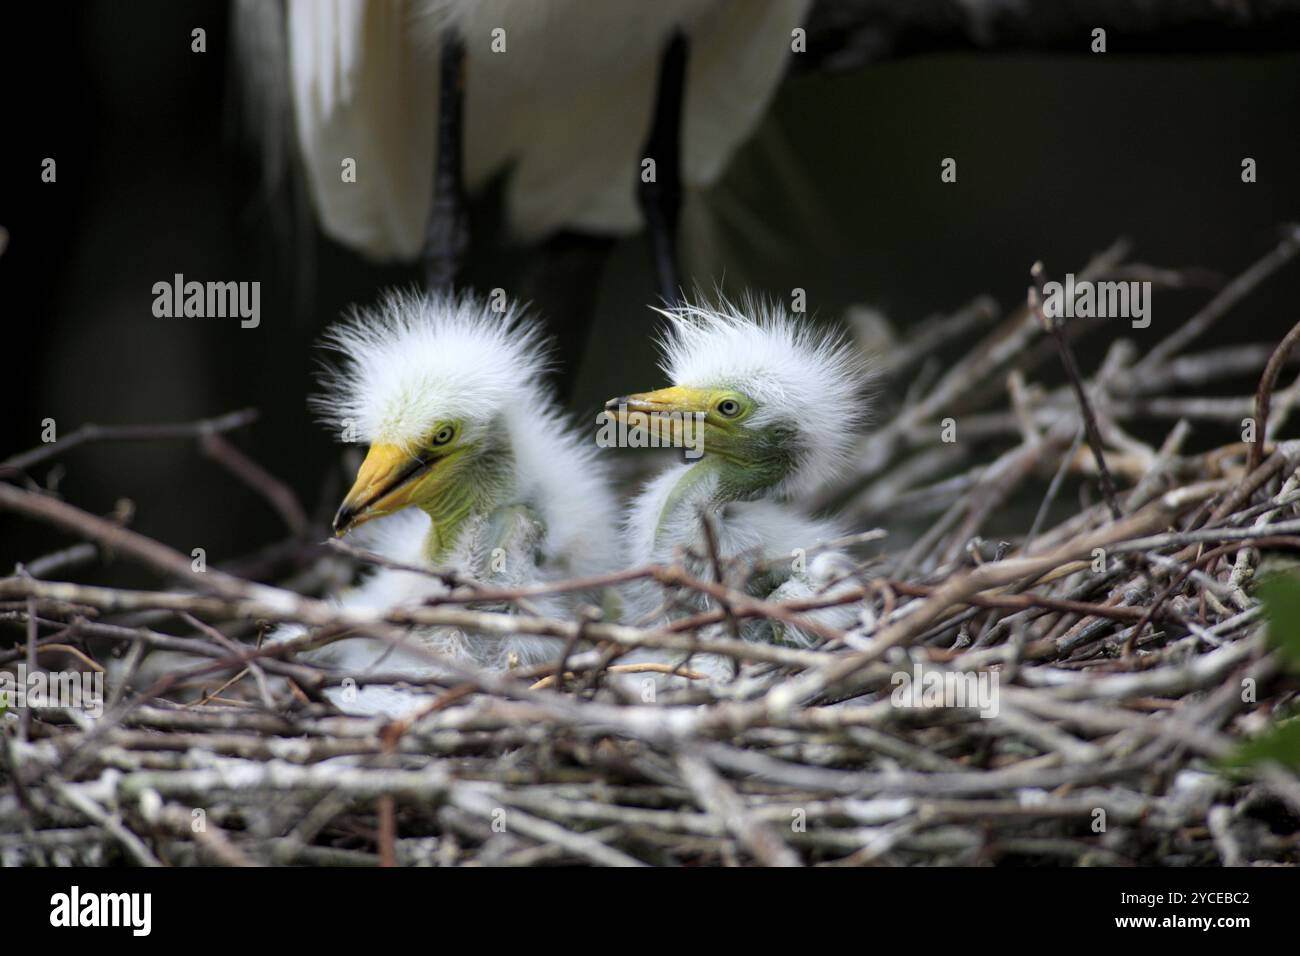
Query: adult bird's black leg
447 233
661 197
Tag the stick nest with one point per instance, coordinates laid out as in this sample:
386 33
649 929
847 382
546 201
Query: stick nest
1123 626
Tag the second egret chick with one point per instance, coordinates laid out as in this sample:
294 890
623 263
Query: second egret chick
778 406
468 445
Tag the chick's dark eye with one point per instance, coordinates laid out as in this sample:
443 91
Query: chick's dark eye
443 435
729 407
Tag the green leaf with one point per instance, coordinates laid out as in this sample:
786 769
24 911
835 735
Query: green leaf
1281 597
1280 744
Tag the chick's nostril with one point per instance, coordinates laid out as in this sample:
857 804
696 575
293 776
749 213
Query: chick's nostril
613 404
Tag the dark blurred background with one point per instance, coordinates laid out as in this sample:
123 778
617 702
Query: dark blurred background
1058 154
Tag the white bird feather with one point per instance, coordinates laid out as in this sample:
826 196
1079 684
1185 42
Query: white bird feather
815 386
417 360
566 106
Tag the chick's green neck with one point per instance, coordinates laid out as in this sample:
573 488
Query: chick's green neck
734 474
481 484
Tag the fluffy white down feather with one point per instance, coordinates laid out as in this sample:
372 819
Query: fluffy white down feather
813 378
416 359
794 373
567 105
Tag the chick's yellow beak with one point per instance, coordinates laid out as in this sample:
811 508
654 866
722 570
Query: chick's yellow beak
673 417
678 398
385 483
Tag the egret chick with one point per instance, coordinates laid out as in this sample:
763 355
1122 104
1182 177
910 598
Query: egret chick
779 405
471 469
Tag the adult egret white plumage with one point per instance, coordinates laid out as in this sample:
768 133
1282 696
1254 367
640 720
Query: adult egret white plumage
780 405
570 95
466 443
